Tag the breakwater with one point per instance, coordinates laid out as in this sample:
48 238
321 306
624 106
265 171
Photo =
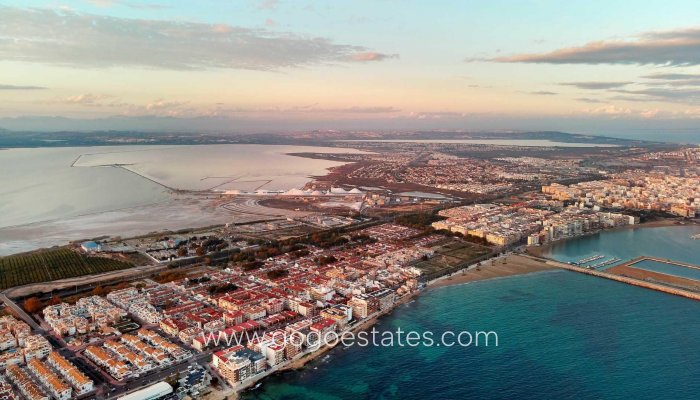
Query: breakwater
630 281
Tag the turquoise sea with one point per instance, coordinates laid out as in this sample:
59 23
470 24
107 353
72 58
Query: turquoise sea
669 269
672 242
562 335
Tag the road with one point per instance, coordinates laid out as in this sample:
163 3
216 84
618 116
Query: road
132 385
20 312
158 376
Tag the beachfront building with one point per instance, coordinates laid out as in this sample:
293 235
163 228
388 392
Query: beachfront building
363 305
238 363
496 224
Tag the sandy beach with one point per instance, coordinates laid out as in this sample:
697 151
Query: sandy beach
506 266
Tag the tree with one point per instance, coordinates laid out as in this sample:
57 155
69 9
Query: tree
323 260
277 273
33 305
54 300
98 291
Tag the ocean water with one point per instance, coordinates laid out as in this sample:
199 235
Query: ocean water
562 335
672 242
670 269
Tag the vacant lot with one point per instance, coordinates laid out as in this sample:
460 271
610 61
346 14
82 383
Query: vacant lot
451 256
53 264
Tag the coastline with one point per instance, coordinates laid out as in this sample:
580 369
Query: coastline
495 268
510 265
366 324
540 250
301 362
500 267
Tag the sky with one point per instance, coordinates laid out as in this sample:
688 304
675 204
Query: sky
275 65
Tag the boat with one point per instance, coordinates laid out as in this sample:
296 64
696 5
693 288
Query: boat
605 263
589 259
695 237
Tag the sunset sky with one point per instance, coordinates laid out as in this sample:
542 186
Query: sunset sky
586 66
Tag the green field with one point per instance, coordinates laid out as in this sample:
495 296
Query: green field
451 256
49 265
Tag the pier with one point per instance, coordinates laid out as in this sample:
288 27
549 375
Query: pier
589 259
691 294
661 260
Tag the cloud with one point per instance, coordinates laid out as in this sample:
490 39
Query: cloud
268 4
672 76
161 104
85 99
363 110
610 110
662 87
543 93
79 40
372 56
112 3
673 79
108 102
315 109
590 100
674 95
668 48
596 85
615 112
437 114
21 87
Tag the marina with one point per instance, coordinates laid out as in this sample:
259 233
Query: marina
605 263
589 259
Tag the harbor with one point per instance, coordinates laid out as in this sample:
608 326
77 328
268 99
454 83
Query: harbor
659 282
585 262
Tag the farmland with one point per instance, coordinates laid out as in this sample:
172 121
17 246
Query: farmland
53 264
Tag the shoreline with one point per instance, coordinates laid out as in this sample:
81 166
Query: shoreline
499 267
659 223
495 268
302 362
366 324
503 267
